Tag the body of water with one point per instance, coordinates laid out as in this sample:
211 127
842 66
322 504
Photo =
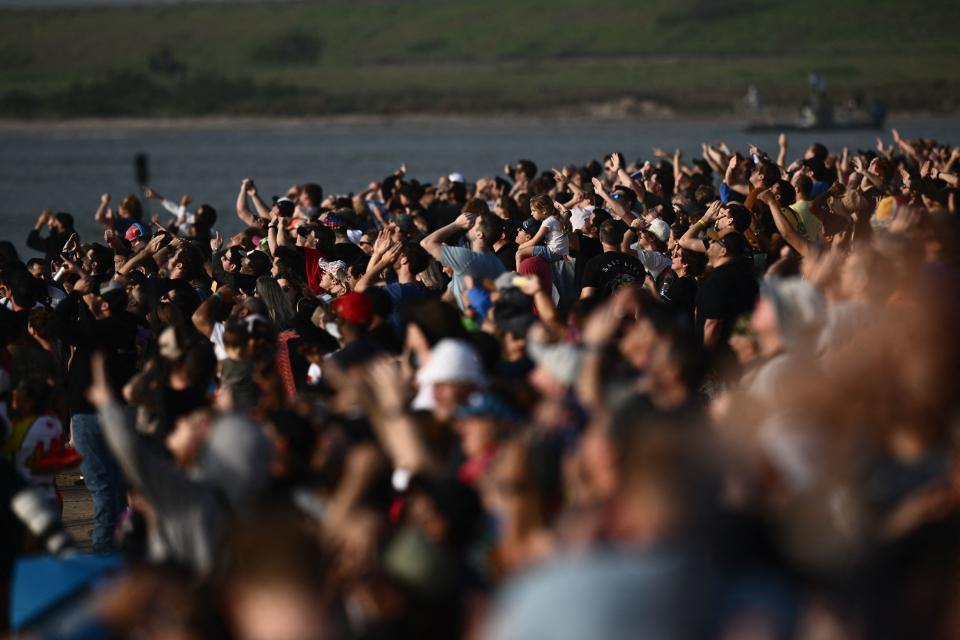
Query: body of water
67 168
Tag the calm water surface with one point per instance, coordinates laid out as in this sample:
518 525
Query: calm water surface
68 169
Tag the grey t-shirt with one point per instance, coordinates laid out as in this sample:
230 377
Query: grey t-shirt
466 262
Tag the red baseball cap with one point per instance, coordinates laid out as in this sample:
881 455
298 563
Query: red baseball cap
354 307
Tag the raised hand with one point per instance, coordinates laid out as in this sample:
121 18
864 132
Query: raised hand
216 242
465 220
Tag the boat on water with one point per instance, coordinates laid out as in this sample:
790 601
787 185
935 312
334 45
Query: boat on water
816 114
798 125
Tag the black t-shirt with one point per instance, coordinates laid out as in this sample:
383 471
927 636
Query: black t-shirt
508 256
729 291
609 271
589 249
680 293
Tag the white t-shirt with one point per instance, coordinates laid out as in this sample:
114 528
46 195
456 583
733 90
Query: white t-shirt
555 239
216 337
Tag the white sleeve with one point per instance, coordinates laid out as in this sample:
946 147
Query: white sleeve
653 261
176 209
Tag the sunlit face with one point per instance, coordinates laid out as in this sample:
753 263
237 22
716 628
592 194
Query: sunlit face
676 260
328 282
715 251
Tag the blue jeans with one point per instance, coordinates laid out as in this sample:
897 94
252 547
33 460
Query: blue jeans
102 477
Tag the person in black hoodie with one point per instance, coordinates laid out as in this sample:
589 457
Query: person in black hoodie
61 228
98 321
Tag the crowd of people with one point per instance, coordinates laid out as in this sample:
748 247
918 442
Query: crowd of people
676 398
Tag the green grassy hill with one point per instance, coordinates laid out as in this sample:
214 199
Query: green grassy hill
380 56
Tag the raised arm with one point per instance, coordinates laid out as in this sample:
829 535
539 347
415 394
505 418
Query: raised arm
243 211
433 243
626 179
103 215
782 154
614 207
34 241
729 175
690 239
206 314
379 262
794 239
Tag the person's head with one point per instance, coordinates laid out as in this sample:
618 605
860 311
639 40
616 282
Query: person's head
41 324
353 312
186 264
803 185
333 278
481 421
235 338
527 230
232 259
453 373
688 263
608 165
255 263
204 218
476 206
728 248
31 397
765 174
278 304
541 207
611 233
816 151
111 301
786 194
62 223
626 197
39 268
506 207
486 230
131 208
525 171
97 259
882 167
734 215
311 195
413 258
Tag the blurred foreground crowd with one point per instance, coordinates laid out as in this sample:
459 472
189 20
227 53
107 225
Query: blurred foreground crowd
651 399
